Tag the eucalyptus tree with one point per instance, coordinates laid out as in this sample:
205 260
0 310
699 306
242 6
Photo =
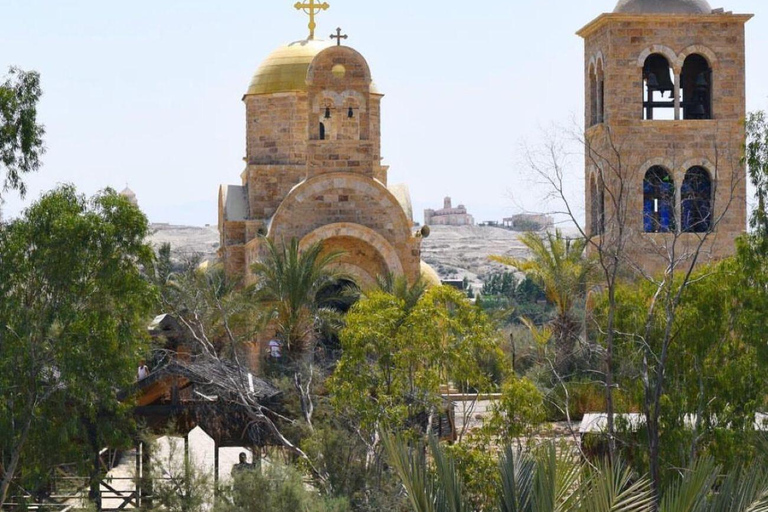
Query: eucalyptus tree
756 159
75 300
395 358
21 136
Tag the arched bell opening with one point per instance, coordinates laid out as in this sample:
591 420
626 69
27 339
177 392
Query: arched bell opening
658 201
351 114
696 87
696 201
658 88
600 92
592 96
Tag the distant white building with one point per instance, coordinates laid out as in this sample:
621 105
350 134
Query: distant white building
448 216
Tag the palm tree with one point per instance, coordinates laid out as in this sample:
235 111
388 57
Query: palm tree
399 287
559 265
288 281
545 479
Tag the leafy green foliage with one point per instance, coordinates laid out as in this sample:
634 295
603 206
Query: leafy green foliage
715 359
477 466
395 358
72 326
518 411
503 284
559 265
21 137
756 159
277 488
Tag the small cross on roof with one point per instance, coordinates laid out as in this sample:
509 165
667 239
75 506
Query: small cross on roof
339 36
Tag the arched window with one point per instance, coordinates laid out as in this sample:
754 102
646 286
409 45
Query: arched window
322 131
597 206
592 97
658 81
658 201
696 201
350 120
696 86
600 92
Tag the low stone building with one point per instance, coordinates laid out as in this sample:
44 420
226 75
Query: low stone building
529 222
448 216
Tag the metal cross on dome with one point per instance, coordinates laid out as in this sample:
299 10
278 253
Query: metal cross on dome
339 36
312 7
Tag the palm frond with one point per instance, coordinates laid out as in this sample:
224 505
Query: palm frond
449 488
742 491
615 489
556 481
411 466
288 281
690 493
517 475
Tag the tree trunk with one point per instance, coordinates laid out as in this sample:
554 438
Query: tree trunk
10 471
609 375
305 398
94 491
653 453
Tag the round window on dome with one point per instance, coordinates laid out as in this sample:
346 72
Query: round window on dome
339 71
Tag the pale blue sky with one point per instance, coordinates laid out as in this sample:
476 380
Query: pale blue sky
149 92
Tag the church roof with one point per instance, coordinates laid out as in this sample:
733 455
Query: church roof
663 7
285 69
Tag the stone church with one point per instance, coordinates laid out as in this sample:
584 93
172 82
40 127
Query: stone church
313 168
664 130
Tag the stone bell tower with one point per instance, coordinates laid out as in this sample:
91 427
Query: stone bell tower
664 129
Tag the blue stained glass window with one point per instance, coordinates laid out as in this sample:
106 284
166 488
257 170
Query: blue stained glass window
696 201
658 201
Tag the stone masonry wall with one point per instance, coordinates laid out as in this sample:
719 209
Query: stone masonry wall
276 128
626 146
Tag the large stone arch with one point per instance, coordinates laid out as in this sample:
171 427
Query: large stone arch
666 51
396 226
353 240
696 49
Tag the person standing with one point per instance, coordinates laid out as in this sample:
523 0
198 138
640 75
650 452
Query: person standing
143 372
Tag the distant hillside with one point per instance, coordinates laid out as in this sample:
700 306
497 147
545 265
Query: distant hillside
454 252
187 241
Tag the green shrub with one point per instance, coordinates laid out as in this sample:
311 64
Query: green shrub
277 488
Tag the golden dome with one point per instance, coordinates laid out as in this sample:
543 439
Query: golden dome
285 69
429 276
